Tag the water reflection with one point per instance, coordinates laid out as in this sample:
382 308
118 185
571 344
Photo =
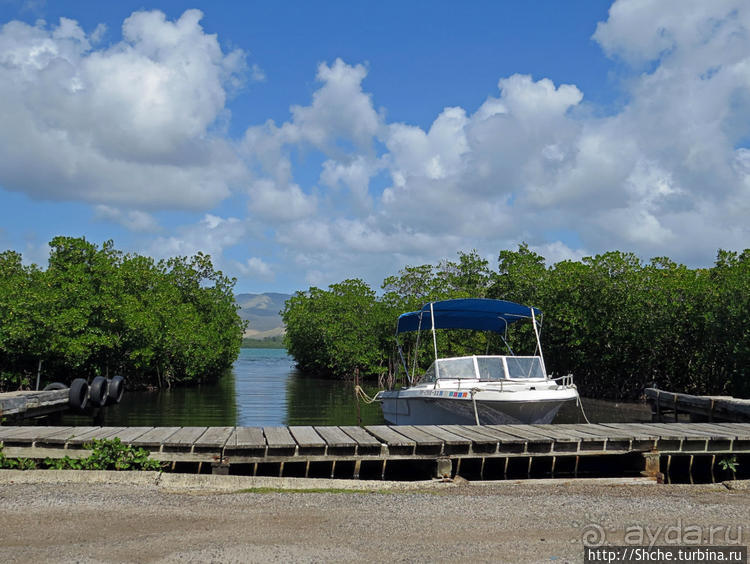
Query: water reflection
207 405
264 389
602 411
313 401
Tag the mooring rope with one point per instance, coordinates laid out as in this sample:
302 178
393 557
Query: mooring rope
567 380
474 401
361 394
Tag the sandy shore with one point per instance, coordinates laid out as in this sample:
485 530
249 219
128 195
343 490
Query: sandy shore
107 518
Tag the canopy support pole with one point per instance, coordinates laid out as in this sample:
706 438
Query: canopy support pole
538 342
401 355
434 343
416 353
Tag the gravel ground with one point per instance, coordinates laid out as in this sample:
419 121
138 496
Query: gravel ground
526 522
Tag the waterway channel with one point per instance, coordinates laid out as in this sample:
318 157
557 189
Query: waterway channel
265 389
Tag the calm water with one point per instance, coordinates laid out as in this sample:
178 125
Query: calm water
264 389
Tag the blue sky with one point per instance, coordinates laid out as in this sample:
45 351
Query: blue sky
303 143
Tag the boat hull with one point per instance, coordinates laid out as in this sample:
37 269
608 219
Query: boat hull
403 409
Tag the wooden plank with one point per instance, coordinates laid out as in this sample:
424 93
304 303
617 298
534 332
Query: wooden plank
390 436
214 437
279 437
82 435
363 438
598 430
8 430
306 437
128 434
471 432
500 433
246 438
679 431
106 432
19 403
739 409
184 437
28 433
713 406
420 437
13 406
526 432
155 437
446 436
61 436
742 429
553 432
715 430
637 430
508 438
584 431
335 437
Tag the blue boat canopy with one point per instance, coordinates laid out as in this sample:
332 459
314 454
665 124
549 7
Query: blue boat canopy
479 314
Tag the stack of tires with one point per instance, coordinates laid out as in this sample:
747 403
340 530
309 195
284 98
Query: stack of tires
83 396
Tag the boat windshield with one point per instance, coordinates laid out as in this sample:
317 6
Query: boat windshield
486 368
524 367
456 368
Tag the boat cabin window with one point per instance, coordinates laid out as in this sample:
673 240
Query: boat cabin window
456 368
524 367
490 368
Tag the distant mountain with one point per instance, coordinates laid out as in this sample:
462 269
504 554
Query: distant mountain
263 313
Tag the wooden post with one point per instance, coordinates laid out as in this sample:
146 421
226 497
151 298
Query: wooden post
356 384
38 373
443 468
220 467
651 467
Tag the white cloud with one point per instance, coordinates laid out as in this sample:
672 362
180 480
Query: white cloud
339 110
354 174
211 235
280 203
344 192
257 268
127 124
134 220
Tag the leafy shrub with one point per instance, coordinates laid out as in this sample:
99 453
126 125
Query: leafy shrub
106 454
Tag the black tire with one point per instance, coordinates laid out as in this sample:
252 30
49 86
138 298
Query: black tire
98 391
78 395
115 390
55 386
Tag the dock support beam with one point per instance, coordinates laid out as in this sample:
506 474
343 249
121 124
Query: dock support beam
651 466
444 468
220 467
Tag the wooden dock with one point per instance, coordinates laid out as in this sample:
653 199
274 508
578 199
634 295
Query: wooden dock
406 452
26 404
669 405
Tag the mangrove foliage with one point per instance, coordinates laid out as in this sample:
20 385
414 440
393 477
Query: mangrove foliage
98 311
615 322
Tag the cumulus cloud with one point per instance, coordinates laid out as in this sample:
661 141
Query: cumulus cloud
133 220
666 174
211 235
126 124
342 191
256 268
340 122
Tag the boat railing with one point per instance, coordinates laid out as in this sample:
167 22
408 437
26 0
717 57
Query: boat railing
564 381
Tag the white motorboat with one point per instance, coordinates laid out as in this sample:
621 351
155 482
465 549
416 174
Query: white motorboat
477 389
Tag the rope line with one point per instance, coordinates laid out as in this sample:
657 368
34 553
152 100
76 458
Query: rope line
362 395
